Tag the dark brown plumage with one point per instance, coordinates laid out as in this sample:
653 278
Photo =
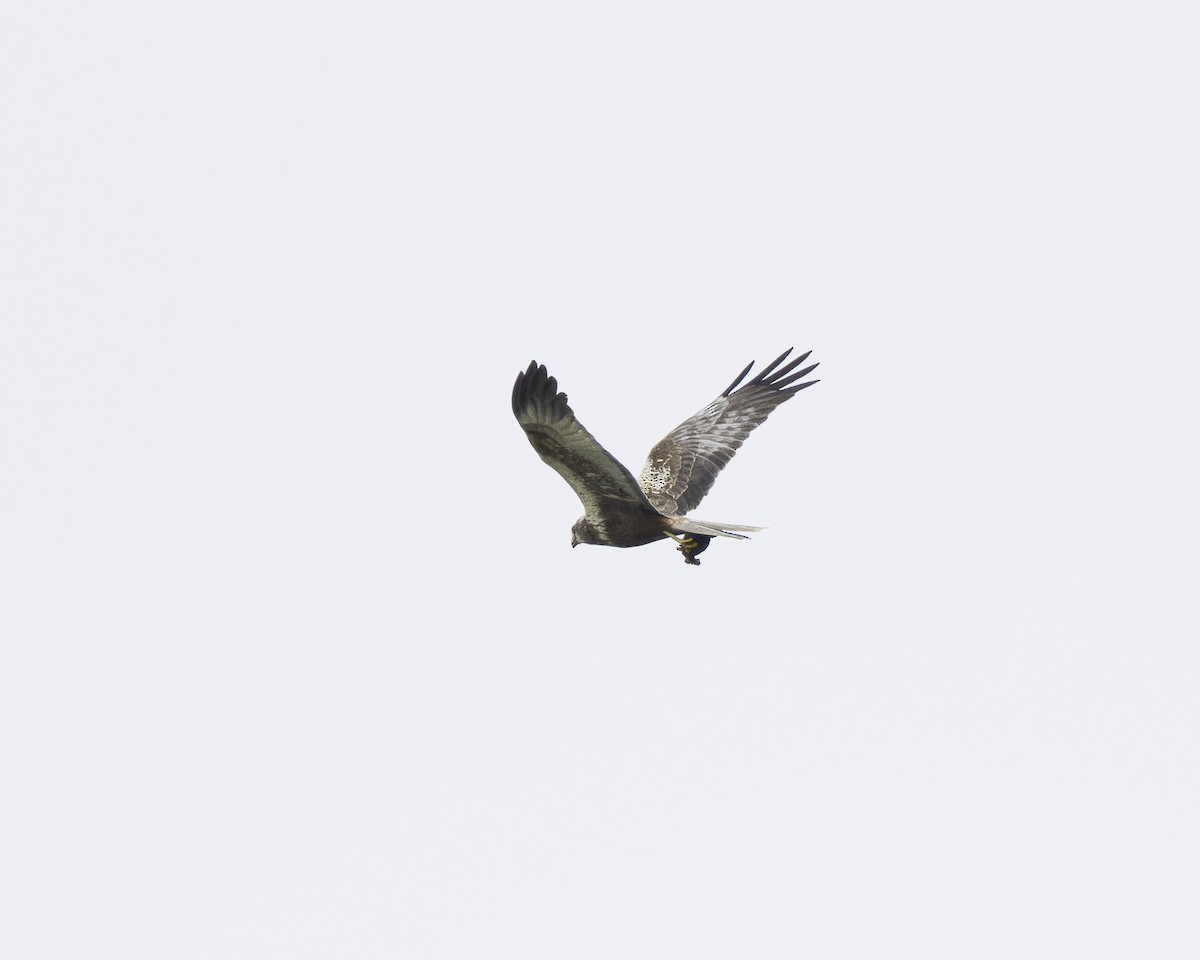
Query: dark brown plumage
620 511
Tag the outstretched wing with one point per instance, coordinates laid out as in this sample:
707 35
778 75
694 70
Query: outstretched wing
596 476
684 464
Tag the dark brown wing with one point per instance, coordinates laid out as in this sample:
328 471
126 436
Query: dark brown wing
596 476
683 465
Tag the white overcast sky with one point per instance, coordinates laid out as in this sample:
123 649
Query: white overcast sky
296 661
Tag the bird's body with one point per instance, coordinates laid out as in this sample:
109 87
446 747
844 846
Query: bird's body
620 511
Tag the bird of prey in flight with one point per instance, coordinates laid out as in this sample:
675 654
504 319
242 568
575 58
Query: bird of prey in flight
619 511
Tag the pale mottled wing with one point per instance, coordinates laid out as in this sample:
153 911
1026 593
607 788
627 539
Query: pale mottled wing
597 477
683 466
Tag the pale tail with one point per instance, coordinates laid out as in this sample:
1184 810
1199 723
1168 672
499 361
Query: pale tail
687 525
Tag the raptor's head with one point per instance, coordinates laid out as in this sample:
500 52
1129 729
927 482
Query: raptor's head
584 531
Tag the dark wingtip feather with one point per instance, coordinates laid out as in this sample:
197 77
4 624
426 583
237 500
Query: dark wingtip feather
526 385
766 371
799 375
738 379
535 390
775 377
796 361
518 384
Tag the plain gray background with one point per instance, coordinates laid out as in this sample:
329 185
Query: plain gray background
296 659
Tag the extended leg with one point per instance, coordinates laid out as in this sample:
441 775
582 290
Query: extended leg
690 546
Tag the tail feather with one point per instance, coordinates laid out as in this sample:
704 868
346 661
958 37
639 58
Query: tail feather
688 525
